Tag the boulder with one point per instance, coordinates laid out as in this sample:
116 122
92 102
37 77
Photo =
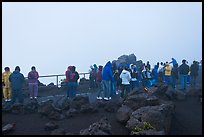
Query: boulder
102 127
8 128
78 101
158 116
88 108
51 126
17 108
45 108
123 114
55 115
148 132
58 132
71 112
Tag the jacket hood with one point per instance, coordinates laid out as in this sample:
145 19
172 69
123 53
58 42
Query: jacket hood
124 71
16 71
108 64
69 68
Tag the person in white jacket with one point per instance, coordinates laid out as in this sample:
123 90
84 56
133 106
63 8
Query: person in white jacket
126 77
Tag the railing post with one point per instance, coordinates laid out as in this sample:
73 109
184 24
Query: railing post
57 80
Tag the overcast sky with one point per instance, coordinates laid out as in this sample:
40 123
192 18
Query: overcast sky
52 36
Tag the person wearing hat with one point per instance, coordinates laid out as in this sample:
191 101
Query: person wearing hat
183 72
17 80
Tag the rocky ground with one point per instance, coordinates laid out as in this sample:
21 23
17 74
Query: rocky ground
179 115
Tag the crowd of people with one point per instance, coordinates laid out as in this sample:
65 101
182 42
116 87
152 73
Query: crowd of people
109 80
13 83
121 79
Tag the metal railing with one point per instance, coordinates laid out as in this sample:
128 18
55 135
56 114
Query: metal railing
57 77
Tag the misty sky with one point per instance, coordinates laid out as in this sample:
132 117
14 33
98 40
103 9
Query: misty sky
52 36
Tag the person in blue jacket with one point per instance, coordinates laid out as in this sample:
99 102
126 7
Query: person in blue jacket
173 61
107 78
17 80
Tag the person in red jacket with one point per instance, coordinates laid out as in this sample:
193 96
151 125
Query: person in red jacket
99 82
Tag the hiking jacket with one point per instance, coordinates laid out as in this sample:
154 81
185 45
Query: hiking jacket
174 72
194 69
126 77
33 76
184 69
107 73
17 79
167 70
5 79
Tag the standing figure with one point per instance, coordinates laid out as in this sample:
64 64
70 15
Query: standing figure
73 82
174 75
6 84
33 82
167 74
183 71
67 74
194 73
17 80
107 78
126 77
99 82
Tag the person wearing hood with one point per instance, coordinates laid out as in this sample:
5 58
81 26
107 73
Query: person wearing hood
17 80
99 82
67 74
107 78
73 82
126 77
6 84
33 82
173 61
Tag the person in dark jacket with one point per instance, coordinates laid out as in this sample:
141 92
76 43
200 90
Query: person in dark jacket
194 73
174 75
17 80
33 82
183 71
107 78
148 65
73 82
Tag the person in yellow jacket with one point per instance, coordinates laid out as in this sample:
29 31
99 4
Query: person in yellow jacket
167 74
6 84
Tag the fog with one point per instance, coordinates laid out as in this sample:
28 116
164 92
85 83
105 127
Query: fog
52 36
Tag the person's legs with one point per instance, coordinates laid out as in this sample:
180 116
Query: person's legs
20 96
122 92
14 96
35 90
5 92
105 84
9 93
68 89
31 90
185 81
182 81
109 89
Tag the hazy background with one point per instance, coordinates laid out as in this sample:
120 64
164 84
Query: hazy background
52 36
